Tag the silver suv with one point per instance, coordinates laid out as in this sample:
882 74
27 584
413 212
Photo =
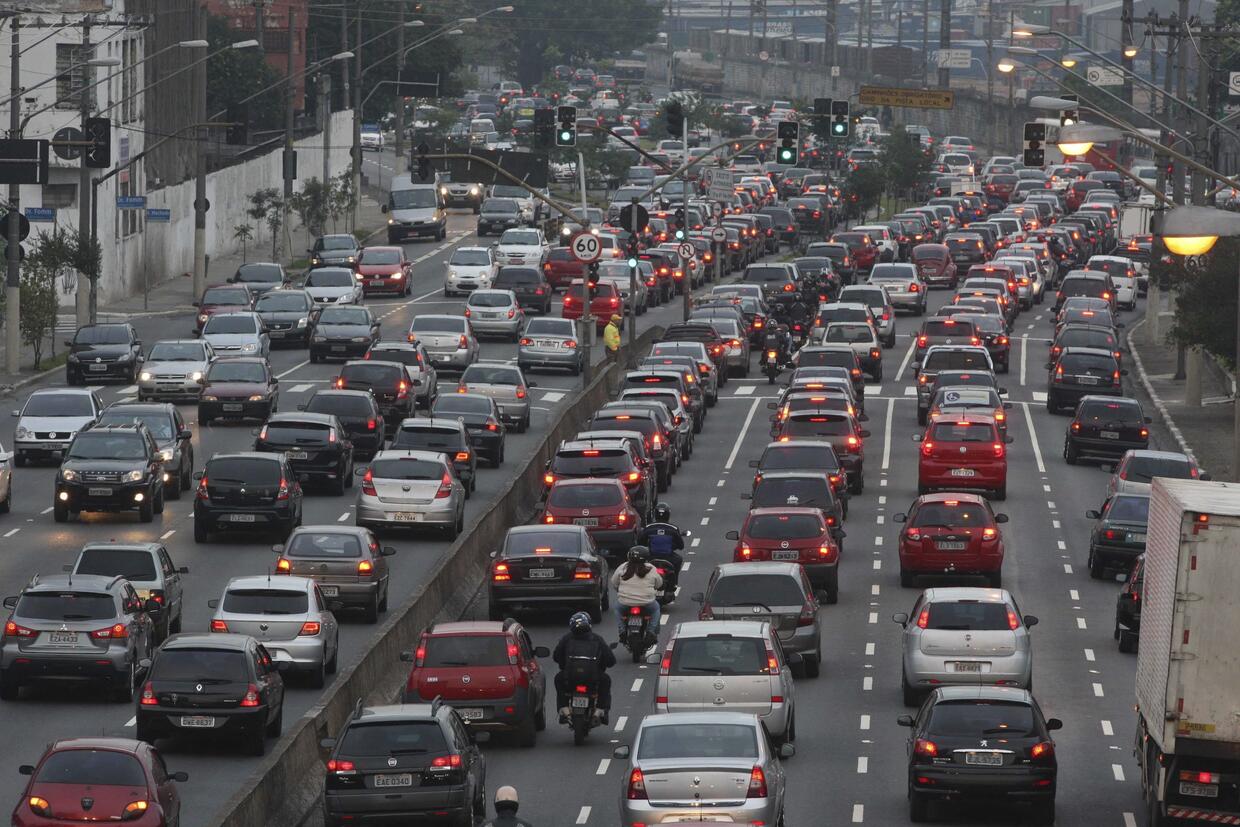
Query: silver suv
87 627
148 568
732 665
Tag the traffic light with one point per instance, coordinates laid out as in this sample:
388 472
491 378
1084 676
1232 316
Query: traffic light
592 271
1035 142
678 222
544 127
424 163
840 122
566 135
99 133
1067 117
789 134
675 115
822 107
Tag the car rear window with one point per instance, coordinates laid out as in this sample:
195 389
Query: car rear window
1130 509
743 589
429 438
465 650
262 273
956 360
196 664
131 564
784 526
1100 410
718 655
372 374
848 333
950 514
962 432
406 468
308 433
827 358
555 543
821 458
517 276
96 767
697 741
974 718
767 274
1086 363
265 602
65 606
947 328
346 404
438 324
1083 287
324 545
388 738
584 496
601 290
818 425
243 470
1144 469
966 616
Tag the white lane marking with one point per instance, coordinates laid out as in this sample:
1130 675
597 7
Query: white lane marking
1033 438
11 532
1064 547
132 721
637 684
910 391
293 369
302 388
713 500
620 722
1130 820
1039 396
685 566
865 721
858 813
745 390
125 400
697 541
873 617
880 519
1024 346
167 534
1089 655
869 648
584 815
1067 568
342 517
878 541
1107 729
1098 690
47 510
727 466
874 590
882 500
552 396
891 409
1050 504
128 391
603 764
1046 488
706 521
1054 524
863 764
908 357
1080 623
1073 594
1117 770
719 484
867 683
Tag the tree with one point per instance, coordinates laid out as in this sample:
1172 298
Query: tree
267 207
1205 301
243 233
235 74
902 161
312 205
861 191
39 300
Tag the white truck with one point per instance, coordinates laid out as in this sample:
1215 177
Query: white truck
1188 664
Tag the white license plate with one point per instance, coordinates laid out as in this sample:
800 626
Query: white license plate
406 517
197 721
785 555
548 343
586 521
542 574
964 472
242 518
951 545
276 334
1087 380
1109 434
581 701
97 368
1207 790
1136 538
232 407
99 492
968 666
983 759
62 638
471 714
337 348
296 454
403 779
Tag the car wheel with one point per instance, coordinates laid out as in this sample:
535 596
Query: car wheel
453 530
158 503
60 512
1052 406
146 510
338 484
123 685
257 741
1096 568
19 459
527 733
319 676
174 628
833 588
204 419
1070 452
172 489
201 534
1001 493
907 579
372 610
921 416
1127 642
142 732
911 696
918 807
330 666
812 665
878 374
1044 812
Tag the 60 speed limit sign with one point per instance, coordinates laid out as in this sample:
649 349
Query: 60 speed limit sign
586 247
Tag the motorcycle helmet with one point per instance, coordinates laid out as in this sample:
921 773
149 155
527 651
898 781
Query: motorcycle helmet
662 513
579 623
639 555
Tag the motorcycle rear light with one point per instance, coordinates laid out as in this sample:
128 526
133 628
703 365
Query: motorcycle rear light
635 610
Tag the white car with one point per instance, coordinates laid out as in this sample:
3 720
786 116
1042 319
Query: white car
522 245
372 141
237 334
469 268
888 244
174 369
333 285
48 421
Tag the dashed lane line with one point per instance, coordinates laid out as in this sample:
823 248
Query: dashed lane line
865 722
584 815
620 722
858 815
11 532
744 390
603 764
302 388
637 685
1117 770
1098 693
1033 438
1107 729
891 409
1089 655
552 396
167 534
863 765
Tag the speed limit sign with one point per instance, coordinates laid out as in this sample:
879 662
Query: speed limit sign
686 250
586 247
719 234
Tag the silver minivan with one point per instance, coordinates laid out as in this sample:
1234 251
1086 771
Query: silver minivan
415 209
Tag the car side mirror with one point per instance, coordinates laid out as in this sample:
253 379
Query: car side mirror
905 720
1001 518
388 551
732 535
746 496
26 769
152 606
1003 391
697 597
383 208
787 750
10 602
899 518
328 743
17 413
213 603
917 437
865 434
755 463
621 752
185 433
770 406
542 652
278 548
1203 476
406 657
67 343
901 618
482 737
1050 365
1030 620
198 475
1123 371
1053 724
193 304
1093 514
144 664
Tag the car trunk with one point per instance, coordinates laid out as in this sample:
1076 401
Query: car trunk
706 782
971 645
700 691
542 569
417 492
88 802
216 693
466 683
264 627
439 341
941 544
242 493
782 618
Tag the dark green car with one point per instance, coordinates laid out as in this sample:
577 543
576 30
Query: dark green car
1119 530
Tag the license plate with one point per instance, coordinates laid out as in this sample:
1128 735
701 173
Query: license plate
785 555
242 518
97 368
635 624
983 759
1207 790
406 517
542 574
471 714
586 521
550 343
296 454
1087 380
275 334
330 591
197 721
232 407
581 701
968 666
403 779
337 348
99 492
951 545
62 638
1109 434
1136 538
964 472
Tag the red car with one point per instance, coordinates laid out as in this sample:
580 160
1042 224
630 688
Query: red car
222 298
863 249
935 265
794 535
963 454
561 268
1001 185
487 670
951 534
385 270
601 505
84 780
1078 191
604 303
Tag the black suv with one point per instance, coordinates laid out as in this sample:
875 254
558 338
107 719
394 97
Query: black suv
405 761
290 316
103 351
246 491
88 627
111 468
481 418
215 684
174 440
1128 607
1105 427
447 436
1079 372
387 381
359 416
530 286
315 445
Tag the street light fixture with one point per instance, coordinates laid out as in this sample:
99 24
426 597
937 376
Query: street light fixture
1006 65
1068 62
1131 51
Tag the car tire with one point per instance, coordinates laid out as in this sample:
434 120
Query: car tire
9 689
1052 407
527 732
856 485
256 741
453 531
338 486
1096 567
201 534
596 611
911 696
123 685
314 357
142 732
918 807
19 459
204 419
146 511
1127 642
995 581
495 612
1070 452
812 665
907 579
833 588
318 678
878 374
172 490
372 610
157 504
60 512
921 416
1044 812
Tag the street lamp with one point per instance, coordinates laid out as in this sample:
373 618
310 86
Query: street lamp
1130 52
1068 62
1006 65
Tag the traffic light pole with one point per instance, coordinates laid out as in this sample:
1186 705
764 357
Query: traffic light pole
632 251
86 299
587 317
12 279
685 279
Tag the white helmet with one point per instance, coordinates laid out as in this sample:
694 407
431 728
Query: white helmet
506 794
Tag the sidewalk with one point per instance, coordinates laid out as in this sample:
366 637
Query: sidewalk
1204 433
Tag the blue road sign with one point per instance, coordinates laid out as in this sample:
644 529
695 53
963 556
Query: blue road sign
131 202
158 216
45 214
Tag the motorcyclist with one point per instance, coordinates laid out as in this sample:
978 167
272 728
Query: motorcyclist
664 540
506 804
583 658
778 339
637 583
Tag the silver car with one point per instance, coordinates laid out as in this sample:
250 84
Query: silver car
1136 469
495 313
862 339
728 664
175 369
550 343
237 334
669 398
411 488
695 766
287 615
617 274
879 302
333 285
449 340
469 268
421 372
964 635
48 421
506 384
903 284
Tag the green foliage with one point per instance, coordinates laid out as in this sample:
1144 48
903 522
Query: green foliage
267 208
235 74
317 204
861 191
543 33
54 252
243 233
902 161
1205 301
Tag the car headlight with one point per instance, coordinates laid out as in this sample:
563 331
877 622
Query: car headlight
443 190
68 474
257 397
473 190
165 454
391 221
146 376
124 357
316 260
319 337
206 397
73 358
196 376
351 259
566 231
452 274
202 318
359 338
249 347
22 432
303 321
133 476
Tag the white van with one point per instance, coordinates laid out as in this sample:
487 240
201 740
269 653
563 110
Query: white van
415 208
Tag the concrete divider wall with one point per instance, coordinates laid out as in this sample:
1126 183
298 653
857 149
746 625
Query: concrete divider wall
287 785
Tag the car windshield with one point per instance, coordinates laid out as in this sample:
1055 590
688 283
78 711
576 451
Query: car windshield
459 403
465 650
102 445
951 514
229 370
216 665
744 589
483 375
974 718
337 242
815 425
470 258
102 334
345 316
259 273
58 404
697 741
284 300
225 295
412 199
489 298
584 496
509 191
132 564
438 324
967 616
963 431
65 606
520 237
158 423
549 327
722 655
176 352
848 333
265 602
328 277
379 255
1130 509
784 526
230 325
1144 469
391 738
242 470
94 767
406 468
325 545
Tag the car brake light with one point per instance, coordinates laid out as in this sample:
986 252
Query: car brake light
583 572
500 573
744 551
757 784
219 626
999 450
923 619
117 631
1044 750
148 695
927 449
11 629
445 487
251 696
365 568
336 765
283 491
922 341
310 628
637 786
807 615
451 761
926 748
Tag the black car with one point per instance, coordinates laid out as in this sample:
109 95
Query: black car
497 215
358 414
480 416
175 441
1079 372
530 286
993 333
1128 607
785 224
290 316
343 333
335 250
260 276
246 491
315 446
448 436
548 567
387 381
400 763
111 468
811 488
804 455
986 743
1105 427
103 351
214 684
645 422
1118 535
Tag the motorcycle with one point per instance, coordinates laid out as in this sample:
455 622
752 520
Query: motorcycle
771 366
581 712
670 574
637 637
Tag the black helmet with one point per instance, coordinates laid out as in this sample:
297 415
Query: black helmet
662 512
579 623
639 554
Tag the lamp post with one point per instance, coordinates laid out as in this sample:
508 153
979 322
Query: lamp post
1008 67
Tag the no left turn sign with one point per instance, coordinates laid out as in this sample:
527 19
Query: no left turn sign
586 247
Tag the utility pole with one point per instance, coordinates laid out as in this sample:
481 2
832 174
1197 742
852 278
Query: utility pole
749 42
990 72
200 163
260 28
869 37
344 64
1125 39
289 162
945 39
12 280
686 281
400 95
86 281
832 40
357 122
727 42
925 42
325 122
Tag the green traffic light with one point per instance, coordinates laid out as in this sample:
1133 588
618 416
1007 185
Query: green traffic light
565 135
633 263
785 155
839 128
680 235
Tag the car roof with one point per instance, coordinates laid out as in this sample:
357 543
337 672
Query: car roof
340 392
589 444
198 640
283 583
706 628
1087 351
124 545
249 360
74 391
302 416
397 712
1149 453
473 627
759 567
971 417
1010 694
682 718
72 582
574 482
982 595
952 496
784 510
543 528
140 407
330 528
407 453
441 423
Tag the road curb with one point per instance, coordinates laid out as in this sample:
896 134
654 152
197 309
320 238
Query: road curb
1161 406
9 390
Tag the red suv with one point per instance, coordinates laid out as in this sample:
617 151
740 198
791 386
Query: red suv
966 453
601 506
951 534
222 298
561 267
793 535
487 670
